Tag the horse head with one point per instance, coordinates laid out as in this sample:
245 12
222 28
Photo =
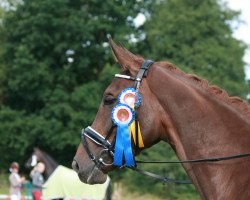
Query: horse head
34 158
150 114
40 156
164 103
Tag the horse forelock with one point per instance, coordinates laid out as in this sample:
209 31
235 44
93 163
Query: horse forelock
239 104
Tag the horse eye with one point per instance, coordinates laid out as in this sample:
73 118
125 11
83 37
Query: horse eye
108 100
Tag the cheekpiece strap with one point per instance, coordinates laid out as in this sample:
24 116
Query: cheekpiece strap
143 72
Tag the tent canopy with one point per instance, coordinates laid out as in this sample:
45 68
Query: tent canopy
64 183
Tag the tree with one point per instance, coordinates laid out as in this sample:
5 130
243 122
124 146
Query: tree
197 37
2 36
55 63
54 55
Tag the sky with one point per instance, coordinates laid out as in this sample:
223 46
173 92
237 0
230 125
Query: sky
243 31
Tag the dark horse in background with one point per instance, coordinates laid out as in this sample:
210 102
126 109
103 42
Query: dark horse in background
196 119
41 156
51 165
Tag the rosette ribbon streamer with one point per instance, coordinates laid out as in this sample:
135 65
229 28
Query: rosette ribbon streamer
123 116
133 132
131 97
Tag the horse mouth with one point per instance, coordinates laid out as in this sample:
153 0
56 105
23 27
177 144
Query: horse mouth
96 176
90 173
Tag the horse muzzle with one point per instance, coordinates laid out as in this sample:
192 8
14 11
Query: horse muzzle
90 175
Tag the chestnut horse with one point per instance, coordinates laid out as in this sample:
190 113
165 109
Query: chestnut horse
196 119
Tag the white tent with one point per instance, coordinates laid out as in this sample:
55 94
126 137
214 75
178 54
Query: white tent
64 183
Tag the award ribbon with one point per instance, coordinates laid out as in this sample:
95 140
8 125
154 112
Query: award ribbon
123 116
130 97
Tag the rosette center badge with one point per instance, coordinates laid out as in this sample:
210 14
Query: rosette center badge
129 96
122 114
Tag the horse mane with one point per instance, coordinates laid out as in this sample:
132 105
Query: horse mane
236 102
49 159
126 58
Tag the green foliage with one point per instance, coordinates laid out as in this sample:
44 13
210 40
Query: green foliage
197 35
14 138
2 36
143 184
55 65
41 34
4 183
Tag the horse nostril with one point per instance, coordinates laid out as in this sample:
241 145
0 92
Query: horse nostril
75 166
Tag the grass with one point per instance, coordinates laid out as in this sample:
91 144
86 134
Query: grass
120 191
4 183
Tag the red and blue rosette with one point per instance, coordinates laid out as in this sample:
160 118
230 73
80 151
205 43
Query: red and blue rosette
130 97
123 116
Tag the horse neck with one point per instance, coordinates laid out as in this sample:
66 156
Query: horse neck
50 164
50 168
204 127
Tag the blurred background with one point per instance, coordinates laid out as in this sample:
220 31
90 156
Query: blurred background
55 63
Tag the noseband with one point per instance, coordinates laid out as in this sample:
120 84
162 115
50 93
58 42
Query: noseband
98 139
108 147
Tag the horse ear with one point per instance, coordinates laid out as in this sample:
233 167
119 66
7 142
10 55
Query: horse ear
126 59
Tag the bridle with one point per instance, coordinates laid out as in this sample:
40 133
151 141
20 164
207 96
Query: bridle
98 139
108 147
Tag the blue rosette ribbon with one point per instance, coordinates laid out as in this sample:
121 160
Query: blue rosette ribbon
123 116
132 98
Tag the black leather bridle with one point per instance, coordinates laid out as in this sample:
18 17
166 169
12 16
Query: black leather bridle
98 139
108 147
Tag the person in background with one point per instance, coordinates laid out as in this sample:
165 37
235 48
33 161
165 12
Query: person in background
37 180
15 182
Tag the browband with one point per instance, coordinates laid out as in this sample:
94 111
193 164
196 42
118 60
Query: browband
124 76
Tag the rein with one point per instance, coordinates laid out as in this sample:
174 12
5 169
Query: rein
167 180
205 160
99 140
